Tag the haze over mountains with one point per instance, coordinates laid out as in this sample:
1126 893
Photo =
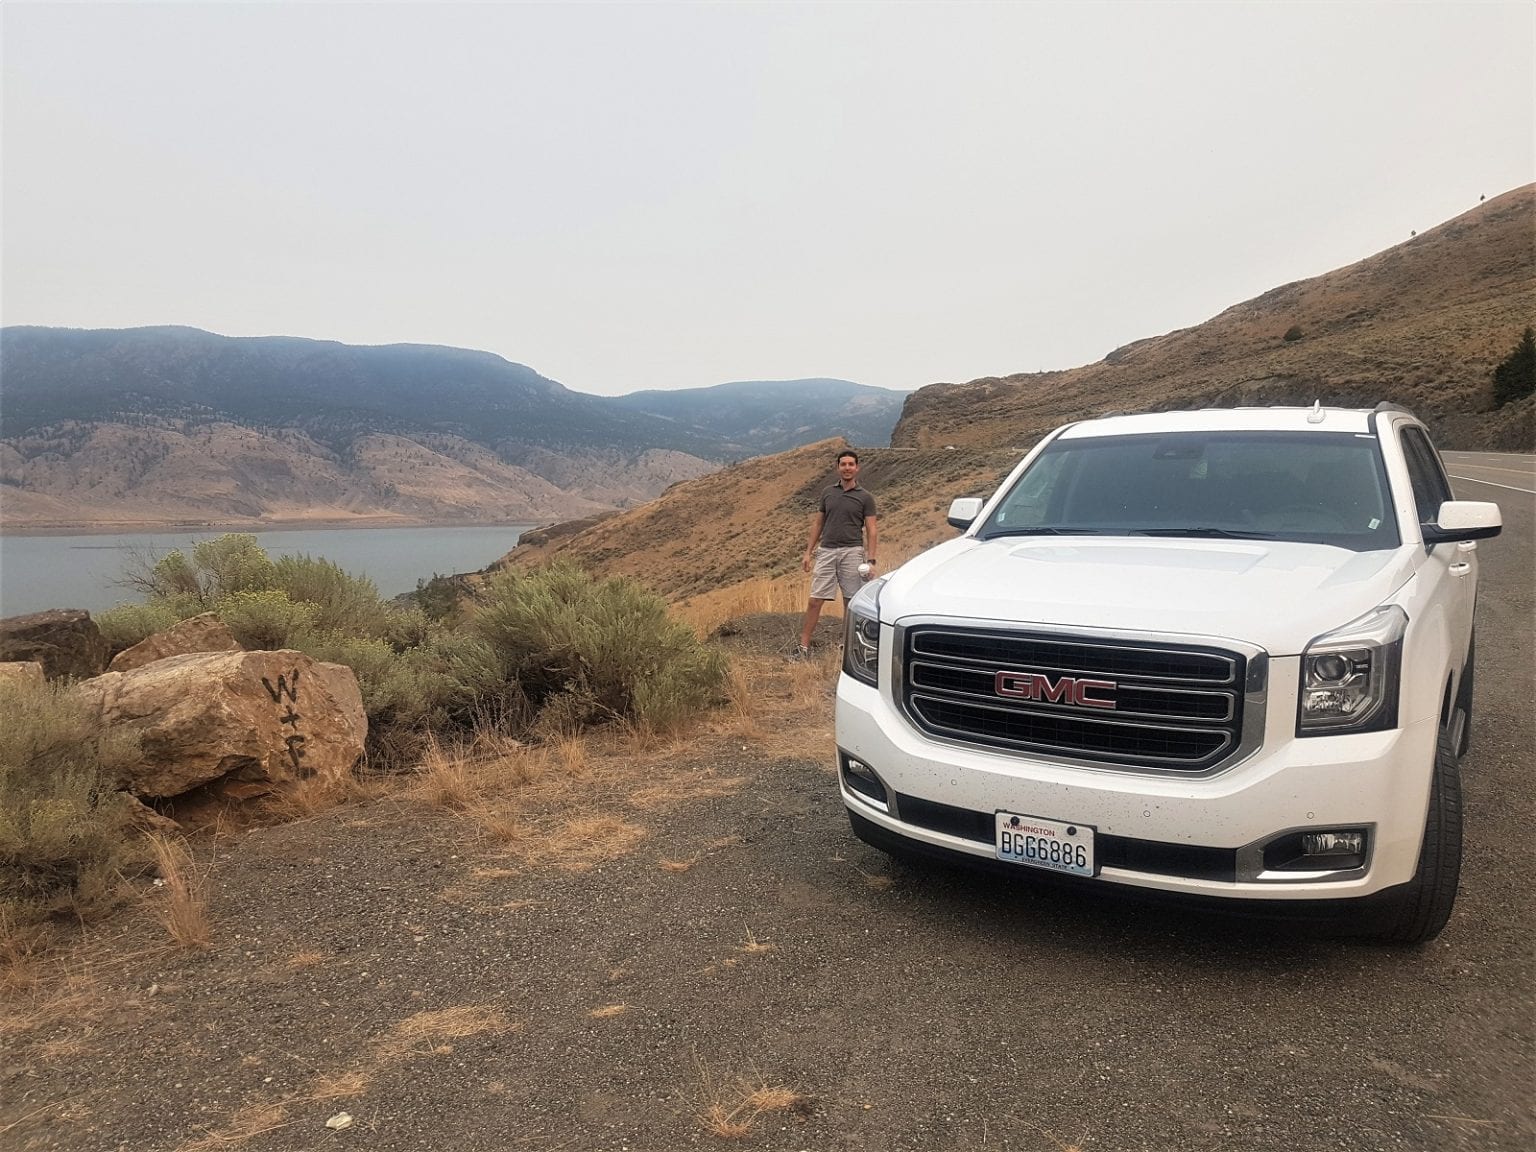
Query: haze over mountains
1422 324
176 425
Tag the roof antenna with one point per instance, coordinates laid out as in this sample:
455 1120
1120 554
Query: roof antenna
1316 415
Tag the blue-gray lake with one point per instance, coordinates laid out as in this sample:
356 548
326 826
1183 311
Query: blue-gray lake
42 572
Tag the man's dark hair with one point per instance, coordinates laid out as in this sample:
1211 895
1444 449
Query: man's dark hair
847 452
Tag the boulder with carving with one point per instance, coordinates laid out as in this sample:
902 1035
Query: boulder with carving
65 641
202 633
258 722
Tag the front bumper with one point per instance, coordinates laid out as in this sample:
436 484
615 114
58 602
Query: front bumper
1195 836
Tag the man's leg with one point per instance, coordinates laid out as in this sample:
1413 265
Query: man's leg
813 608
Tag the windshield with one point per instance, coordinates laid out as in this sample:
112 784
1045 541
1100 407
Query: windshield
1321 487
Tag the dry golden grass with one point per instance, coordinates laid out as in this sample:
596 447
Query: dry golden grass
775 1098
752 946
726 1123
446 779
247 1123
321 794
729 1112
707 611
61 993
877 882
181 902
667 865
570 754
678 791
301 960
339 1085
743 709
608 1011
426 1033
582 842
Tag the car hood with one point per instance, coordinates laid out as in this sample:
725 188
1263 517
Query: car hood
1278 595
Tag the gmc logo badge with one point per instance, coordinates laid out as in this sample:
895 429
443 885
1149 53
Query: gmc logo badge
1067 690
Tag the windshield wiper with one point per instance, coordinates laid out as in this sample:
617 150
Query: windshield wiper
1223 533
1040 531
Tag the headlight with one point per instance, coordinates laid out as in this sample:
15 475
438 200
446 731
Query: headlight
861 643
1349 676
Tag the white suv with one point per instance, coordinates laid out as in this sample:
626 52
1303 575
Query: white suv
1224 653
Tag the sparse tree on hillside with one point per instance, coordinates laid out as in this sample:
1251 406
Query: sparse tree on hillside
1516 376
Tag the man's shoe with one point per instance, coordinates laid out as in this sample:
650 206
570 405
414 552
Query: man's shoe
802 653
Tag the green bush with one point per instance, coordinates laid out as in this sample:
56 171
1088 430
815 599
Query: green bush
555 649
231 564
127 624
342 602
588 651
1515 377
267 620
65 833
437 597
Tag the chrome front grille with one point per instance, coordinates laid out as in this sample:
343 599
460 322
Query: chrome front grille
1157 707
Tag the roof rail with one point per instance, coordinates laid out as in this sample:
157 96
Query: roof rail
1392 406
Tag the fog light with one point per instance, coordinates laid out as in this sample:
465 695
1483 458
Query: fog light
1334 850
860 779
1333 844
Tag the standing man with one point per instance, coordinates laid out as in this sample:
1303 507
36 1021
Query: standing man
843 536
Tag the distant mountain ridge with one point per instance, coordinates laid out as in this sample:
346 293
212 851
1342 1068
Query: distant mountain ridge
178 425
756 417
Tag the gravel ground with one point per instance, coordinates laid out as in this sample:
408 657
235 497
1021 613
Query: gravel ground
386 962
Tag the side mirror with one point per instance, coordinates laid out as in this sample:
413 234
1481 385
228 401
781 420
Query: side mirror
963 511
1464 520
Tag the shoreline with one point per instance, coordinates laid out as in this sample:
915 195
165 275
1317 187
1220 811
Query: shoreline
174 527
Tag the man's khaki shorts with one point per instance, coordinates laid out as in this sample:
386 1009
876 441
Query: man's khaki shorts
836 568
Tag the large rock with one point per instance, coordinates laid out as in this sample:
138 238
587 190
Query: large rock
65 641
203 633
21 672
258 720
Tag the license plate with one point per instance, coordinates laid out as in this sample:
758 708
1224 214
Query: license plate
1054 845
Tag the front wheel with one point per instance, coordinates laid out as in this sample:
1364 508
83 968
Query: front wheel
1425 903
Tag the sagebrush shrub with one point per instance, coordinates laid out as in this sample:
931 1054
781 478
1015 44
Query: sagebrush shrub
343 602
65 832
266 620
586 650
128 624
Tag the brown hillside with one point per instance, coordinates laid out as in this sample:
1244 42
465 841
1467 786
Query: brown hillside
1422 324
750 521
154 474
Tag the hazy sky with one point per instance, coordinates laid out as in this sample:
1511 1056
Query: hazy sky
629 196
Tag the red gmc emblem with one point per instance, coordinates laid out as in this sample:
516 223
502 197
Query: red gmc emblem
1067 690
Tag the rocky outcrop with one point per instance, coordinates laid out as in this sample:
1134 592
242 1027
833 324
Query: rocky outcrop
21 674
256 721
202 633
65 641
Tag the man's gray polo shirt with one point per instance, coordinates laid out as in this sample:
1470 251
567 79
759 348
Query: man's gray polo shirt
845 511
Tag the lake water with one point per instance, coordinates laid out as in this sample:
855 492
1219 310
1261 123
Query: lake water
42 572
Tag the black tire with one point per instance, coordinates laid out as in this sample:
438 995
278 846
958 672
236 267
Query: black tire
1464 699
1424 904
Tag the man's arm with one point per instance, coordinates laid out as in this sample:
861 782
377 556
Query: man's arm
810 547
871 538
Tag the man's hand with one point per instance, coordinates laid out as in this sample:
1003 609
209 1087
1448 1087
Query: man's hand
805 561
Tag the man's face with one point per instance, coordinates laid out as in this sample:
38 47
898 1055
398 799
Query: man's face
847 469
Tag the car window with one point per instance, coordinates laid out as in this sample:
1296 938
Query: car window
1327 487
1425 475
